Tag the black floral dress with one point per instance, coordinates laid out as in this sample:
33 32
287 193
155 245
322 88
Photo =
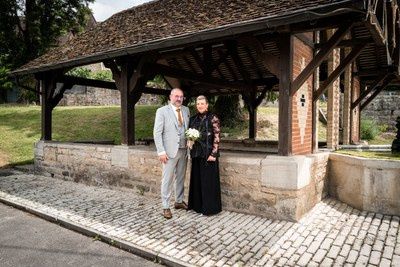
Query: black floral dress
205 189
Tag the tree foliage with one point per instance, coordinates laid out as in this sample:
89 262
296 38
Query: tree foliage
228 110
29 28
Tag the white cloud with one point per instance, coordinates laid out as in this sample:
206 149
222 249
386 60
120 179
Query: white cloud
103 9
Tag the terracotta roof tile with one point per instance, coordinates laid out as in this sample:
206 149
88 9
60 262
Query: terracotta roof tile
165 19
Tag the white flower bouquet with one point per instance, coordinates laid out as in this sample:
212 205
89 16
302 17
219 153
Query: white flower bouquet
191 135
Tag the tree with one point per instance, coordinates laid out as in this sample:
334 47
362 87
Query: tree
228 109
29 28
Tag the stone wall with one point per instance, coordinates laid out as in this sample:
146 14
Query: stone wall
384 108
366 184
254 183
91 96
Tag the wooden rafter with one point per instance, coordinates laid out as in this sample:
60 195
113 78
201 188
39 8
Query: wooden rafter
375 29
320 56
347 43
228 66
270 61
339 70
186 75
386 81
254 62
380 79
233 51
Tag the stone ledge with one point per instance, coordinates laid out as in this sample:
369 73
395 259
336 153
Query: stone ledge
367 184
250 182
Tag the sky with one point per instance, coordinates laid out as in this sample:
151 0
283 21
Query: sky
103 9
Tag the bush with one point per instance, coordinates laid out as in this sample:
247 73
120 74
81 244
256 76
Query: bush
369 129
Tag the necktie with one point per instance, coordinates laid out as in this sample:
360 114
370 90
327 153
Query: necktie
180 120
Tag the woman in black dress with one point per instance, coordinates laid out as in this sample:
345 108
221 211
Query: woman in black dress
204 190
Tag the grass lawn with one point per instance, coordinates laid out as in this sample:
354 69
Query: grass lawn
20 127
370 154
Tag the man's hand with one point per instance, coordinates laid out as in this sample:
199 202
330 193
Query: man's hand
211 158
163 158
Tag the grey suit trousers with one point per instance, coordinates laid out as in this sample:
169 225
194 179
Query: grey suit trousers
174 168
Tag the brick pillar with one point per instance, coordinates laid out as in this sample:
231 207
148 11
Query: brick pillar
315 104
355 113
332 136
347 103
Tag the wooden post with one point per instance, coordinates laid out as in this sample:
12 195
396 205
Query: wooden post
130 78
252 108
127 106
46 110
252 123
285 99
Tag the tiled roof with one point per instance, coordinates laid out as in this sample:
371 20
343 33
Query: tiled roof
165 20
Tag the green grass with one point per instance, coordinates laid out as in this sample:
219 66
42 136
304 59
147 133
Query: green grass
370 154
20 127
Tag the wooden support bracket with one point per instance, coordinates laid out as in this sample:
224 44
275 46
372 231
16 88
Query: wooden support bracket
320 56
339 70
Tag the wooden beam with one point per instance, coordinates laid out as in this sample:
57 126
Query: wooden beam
373 25
339 70
127 106
57 98
185 75
304 38
348 43
87 82
141 72
285 99
387 80
370 72
372 87
46 87
115 70
320 56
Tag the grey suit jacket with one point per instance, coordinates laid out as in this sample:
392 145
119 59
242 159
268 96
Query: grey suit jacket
165 131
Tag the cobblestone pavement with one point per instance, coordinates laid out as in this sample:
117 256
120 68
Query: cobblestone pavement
331 234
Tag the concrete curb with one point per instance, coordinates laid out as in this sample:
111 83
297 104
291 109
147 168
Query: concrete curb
122 244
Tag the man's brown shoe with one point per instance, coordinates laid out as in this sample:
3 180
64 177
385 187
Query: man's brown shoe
182 205
167 214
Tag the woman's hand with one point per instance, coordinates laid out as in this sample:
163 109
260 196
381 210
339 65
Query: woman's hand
211 158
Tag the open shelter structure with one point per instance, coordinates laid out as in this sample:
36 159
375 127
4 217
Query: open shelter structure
299 48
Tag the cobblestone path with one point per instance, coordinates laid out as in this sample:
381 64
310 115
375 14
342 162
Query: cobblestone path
332 234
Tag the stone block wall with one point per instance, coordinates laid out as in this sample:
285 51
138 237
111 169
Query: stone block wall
385 108
250 183
366 184
91 96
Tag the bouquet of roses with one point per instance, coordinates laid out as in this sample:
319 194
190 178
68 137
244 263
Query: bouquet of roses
191 135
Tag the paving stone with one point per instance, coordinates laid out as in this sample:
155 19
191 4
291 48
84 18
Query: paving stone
332 233
304 259
385 262
352 258
320 255
375 257
333 252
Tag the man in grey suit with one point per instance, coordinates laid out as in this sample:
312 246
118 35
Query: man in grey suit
170 125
